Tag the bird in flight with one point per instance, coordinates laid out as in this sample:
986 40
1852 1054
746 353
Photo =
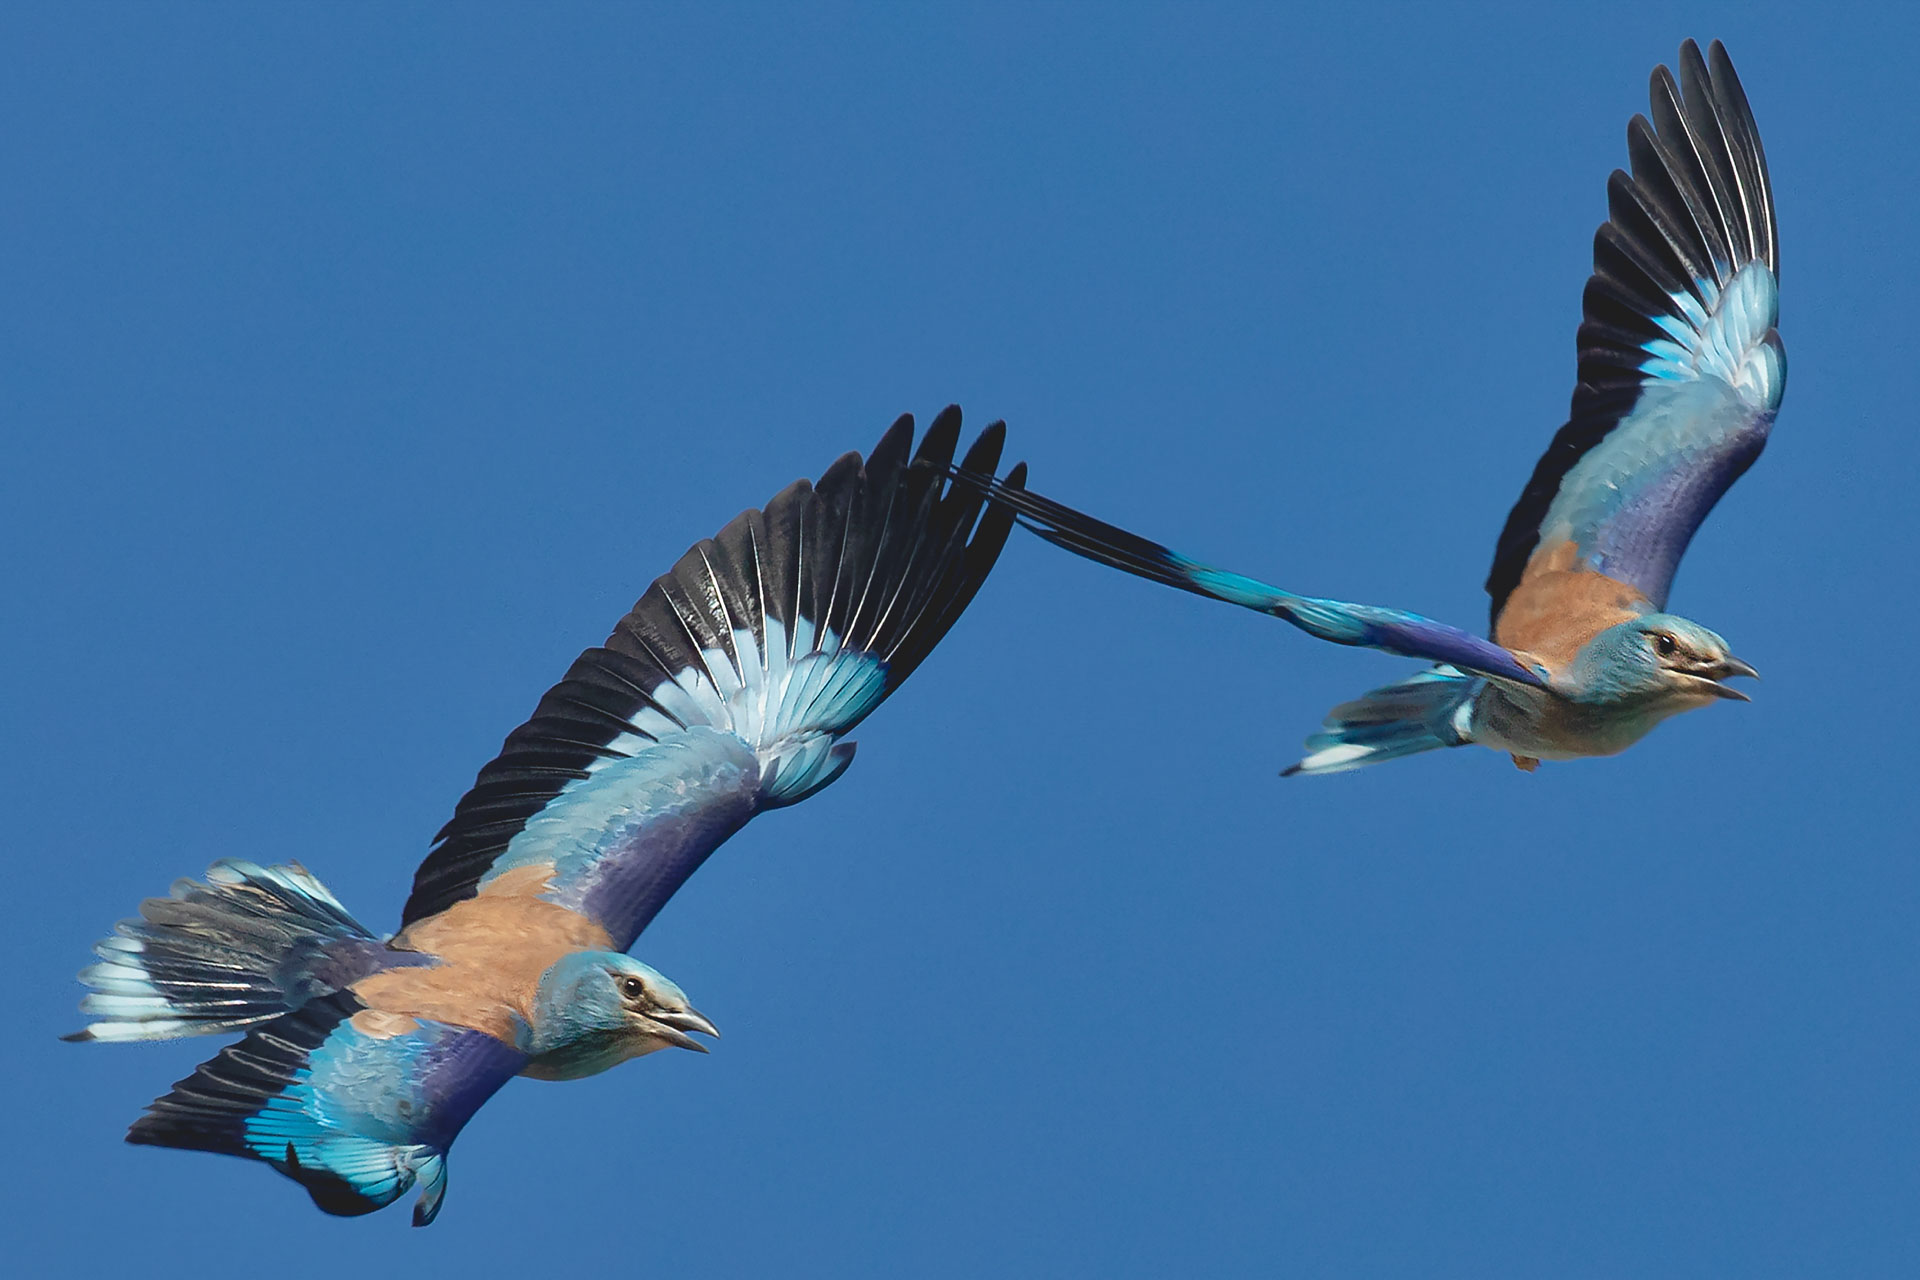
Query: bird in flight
1680 375
727 691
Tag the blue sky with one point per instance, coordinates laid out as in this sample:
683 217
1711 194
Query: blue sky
364 367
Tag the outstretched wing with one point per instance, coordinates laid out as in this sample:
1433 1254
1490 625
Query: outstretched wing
354 1106
1394 630
726 690
1681 370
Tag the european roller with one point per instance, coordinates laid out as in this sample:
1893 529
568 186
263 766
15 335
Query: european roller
727 691
1680 374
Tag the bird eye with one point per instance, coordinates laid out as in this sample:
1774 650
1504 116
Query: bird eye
633 988
1664 644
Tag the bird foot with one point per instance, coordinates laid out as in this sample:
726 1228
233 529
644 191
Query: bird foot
1526 764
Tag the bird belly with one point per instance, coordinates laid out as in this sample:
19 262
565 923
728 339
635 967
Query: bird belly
1550 727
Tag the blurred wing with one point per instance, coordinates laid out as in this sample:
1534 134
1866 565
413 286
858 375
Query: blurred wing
1394 630
354 1106
1681 371
727 689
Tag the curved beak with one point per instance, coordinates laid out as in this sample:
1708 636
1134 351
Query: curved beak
676 1024
1732 666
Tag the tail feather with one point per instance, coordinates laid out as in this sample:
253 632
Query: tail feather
1429 711
247 944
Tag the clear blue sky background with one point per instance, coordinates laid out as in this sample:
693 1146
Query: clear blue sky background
362 368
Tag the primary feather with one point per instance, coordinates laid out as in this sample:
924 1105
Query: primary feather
1680 367
728 690
1681 372
730 686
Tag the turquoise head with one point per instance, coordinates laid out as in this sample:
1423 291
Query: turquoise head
596 1009
1659 663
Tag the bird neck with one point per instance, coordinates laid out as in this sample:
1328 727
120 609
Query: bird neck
586 1054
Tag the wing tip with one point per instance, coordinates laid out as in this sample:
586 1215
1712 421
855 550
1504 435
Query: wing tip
880 551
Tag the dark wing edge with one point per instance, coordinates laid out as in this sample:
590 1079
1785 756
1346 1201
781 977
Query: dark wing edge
877 559
1394 631
1696 210
258 1099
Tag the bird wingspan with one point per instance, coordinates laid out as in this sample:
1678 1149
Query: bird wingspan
1681 370
355 1106
1368 626
727 688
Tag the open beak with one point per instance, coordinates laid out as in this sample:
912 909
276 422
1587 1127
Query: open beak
1728 666
676 1024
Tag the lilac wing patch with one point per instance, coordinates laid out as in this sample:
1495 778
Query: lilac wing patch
1632 504
623 839
1413 636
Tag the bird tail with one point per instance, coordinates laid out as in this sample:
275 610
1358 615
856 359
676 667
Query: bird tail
1429 711
247 944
